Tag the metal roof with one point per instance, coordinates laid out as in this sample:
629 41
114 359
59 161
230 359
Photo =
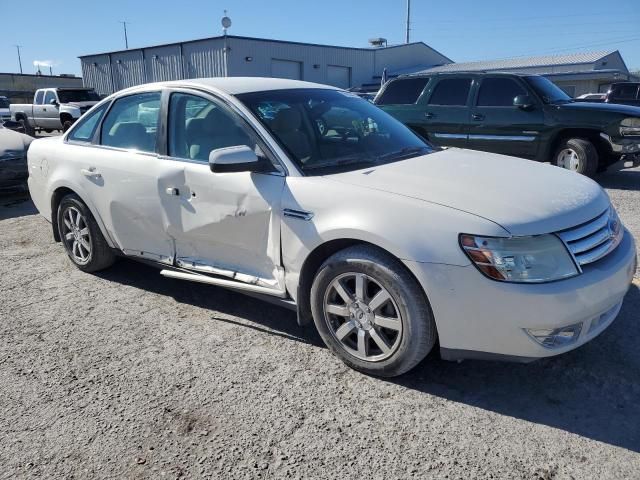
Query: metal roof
524 62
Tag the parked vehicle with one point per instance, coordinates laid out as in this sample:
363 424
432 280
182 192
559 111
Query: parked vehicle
309 195
54 108
627 93
5 113
514 114
13 160
591 97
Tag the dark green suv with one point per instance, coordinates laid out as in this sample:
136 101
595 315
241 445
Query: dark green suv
514 114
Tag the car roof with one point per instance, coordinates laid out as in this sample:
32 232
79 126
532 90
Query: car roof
467 72
234 85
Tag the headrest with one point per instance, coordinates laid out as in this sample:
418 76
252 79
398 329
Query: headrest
128 129
287 120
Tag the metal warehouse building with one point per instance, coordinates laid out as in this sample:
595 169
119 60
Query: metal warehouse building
244 56
575 73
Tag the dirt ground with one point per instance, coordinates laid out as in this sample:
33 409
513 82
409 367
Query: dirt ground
126 374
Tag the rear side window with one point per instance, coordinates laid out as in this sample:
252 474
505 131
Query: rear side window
83 131
402 92
625 92
39 97
498 92
451 91
132 122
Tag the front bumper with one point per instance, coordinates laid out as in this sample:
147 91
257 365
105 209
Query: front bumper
480 318
623 145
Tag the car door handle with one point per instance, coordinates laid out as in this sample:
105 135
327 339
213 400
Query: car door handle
91 172
477 117
429 115
172 191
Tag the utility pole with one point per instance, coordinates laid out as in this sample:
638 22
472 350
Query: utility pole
126 41
19 59
408 21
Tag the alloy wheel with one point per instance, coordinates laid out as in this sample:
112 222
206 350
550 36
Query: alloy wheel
76 235
363 316
569 159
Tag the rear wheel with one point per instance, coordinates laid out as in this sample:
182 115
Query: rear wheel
26 128
578 155
81 236
371 312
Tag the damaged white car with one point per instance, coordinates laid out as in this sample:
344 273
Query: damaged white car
313 196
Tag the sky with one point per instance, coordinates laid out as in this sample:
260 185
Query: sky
463 30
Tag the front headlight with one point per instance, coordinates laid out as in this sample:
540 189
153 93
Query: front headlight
542 258
630 127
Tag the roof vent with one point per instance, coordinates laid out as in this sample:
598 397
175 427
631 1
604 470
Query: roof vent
378 42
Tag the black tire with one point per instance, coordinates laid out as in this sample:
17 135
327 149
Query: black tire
586 152
66 125
100 255
26 128
418 334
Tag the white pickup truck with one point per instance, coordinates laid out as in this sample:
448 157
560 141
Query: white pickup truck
54 108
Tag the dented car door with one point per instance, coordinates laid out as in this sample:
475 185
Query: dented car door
221 223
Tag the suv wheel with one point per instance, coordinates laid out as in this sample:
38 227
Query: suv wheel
81 236
577 154
371 312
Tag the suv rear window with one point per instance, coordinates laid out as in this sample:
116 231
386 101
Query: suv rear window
625 92
402 92
498 92
451 91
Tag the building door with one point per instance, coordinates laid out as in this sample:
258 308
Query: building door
339 76
286 69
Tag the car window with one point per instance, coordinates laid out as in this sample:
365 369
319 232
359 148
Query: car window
50 95
197 126
39 97
498 92
625 92
327 131
132 122
451 91
403 91
83 130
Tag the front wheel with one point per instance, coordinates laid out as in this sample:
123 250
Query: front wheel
66 125
81 236
371 312
578 155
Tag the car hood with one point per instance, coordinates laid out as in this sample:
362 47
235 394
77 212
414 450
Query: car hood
522 196
601 107
13 144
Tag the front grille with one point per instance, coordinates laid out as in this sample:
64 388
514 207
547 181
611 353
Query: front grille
594 239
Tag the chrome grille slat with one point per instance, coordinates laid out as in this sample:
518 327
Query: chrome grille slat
586 229
590 241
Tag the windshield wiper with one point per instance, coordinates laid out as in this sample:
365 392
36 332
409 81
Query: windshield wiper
352 160
405 152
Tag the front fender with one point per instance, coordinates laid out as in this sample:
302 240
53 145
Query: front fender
408 228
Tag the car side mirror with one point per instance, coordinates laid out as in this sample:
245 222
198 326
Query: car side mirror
237 159
524 102
53 102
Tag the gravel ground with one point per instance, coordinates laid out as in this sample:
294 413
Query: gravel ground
126 374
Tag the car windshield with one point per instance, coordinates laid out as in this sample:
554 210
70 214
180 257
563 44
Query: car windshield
67 96
329 131
548 91
4 103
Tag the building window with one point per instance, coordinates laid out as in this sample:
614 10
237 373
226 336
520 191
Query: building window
569 90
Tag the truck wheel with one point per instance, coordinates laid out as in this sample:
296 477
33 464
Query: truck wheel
26 128
578 155
371 312
81 236
66 125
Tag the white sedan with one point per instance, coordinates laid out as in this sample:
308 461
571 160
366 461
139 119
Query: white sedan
310 195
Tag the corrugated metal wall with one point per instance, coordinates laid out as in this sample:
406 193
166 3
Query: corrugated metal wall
246 57
163 63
